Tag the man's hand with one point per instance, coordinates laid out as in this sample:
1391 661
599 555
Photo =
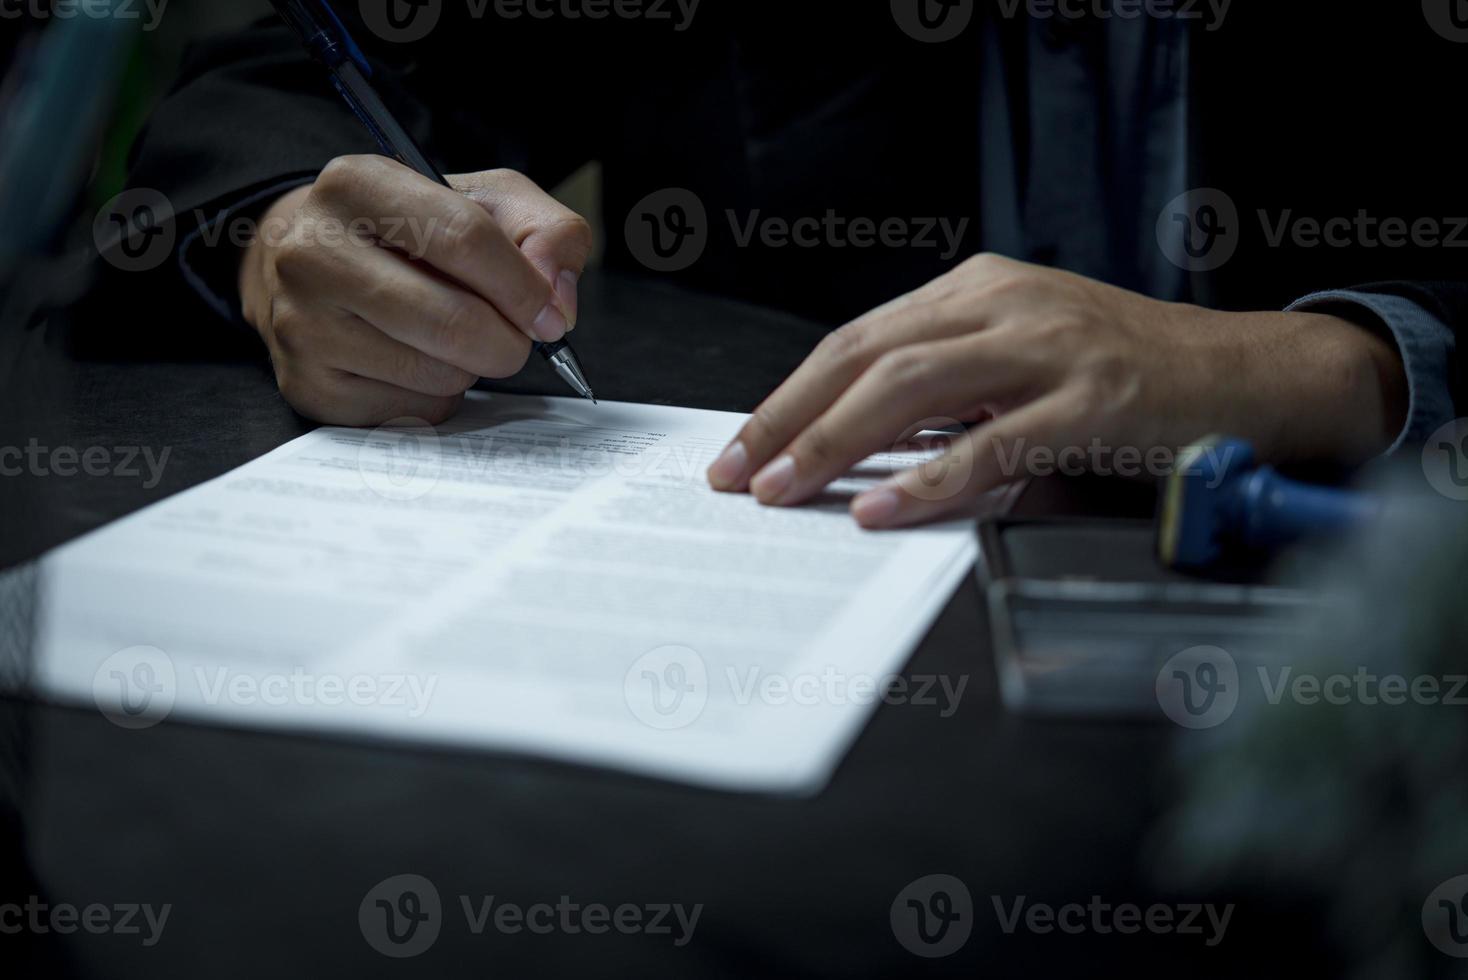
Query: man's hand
382 294
1049 360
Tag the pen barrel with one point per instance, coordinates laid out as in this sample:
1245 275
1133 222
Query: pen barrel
307 24
392 138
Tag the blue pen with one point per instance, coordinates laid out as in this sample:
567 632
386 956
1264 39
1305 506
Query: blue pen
329 42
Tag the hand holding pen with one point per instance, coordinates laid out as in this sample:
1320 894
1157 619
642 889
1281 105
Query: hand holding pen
433 286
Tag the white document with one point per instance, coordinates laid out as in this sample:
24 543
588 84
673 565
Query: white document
537 575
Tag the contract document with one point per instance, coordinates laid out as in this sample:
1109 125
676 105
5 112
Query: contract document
538 575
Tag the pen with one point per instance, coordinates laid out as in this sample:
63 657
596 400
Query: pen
328 41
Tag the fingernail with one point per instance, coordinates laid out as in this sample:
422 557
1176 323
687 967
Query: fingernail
566 293
729 468
550 324
770 484
876 508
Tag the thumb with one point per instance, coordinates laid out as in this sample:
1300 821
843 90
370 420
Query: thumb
560 251
555 239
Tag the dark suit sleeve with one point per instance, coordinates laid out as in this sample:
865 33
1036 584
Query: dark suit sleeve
246 111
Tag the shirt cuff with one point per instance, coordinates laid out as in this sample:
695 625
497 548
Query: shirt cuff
209 256
1426 344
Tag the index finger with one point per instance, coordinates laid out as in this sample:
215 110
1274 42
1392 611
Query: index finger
921 381
446 230
840 358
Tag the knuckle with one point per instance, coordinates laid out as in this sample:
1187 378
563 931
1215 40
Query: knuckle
1060 329
495 190
764 429
423 374
575 230
452 331
1004 285
457 381
987 263
844 345
344 175
906 371
294 259
465 229
935 316
380 295
817 446
288 329
505 177
414 372
1110 380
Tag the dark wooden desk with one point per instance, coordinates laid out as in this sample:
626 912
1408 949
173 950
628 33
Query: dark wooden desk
264 844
